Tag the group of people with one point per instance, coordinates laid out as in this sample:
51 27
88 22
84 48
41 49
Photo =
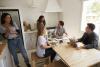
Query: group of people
89 38
11 32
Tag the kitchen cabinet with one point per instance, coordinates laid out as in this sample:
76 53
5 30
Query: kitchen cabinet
30 40
5 58
1 63
8 58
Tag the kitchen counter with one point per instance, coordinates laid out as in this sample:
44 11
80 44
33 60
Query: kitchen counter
2 47
5 56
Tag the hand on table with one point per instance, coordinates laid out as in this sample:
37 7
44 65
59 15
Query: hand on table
80 45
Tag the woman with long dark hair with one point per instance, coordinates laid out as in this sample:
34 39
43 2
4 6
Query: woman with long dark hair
11 32
41 19
43 48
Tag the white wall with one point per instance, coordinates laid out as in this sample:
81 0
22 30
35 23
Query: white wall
29 12
72 11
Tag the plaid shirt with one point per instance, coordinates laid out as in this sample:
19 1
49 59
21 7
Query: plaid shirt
90 40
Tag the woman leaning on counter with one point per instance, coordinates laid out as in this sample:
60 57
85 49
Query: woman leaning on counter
11 32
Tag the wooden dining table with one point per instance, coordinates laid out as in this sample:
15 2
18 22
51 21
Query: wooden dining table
74 57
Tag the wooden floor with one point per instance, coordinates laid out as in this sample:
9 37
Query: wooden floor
61 64
56 64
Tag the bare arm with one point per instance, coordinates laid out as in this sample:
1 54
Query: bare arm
14 32
6 33
66 33
45 46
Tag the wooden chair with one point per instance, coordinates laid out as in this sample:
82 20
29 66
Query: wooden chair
37 61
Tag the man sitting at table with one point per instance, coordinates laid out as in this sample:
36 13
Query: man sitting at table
89 38
60 30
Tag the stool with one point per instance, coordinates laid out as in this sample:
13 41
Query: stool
37 61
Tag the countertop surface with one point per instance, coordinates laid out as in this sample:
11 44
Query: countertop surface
2 47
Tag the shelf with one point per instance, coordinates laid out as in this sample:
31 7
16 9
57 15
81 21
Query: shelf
28 32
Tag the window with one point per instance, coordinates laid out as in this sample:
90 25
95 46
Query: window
91 14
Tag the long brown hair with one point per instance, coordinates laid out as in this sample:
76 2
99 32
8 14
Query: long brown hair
40 28
3 16
61 23
40 19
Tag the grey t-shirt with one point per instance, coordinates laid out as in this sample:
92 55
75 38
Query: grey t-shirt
59 32
12 29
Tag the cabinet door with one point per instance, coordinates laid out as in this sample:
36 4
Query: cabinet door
1 63
27 42
30 41
33 40
8 59
5 62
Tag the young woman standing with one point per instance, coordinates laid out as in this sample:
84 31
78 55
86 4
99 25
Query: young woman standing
11 32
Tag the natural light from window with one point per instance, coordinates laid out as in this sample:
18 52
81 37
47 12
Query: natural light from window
91 14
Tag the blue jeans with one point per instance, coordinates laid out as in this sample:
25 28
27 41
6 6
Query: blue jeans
17 43
50 52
